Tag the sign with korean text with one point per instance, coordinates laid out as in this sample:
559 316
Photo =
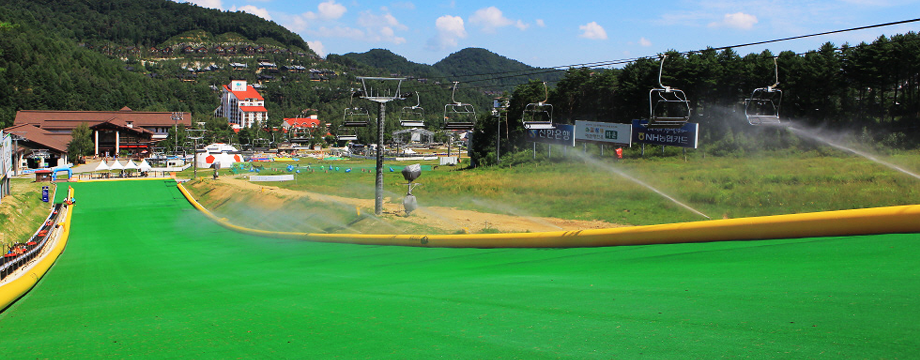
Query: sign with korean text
686 136
603 132
561 135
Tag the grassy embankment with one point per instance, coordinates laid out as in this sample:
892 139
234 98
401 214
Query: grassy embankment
22 212
279 211
770 184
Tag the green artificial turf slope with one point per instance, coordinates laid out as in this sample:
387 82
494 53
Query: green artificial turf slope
145 275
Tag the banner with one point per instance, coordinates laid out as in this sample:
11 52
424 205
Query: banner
603 132
561 135
272 177
686 136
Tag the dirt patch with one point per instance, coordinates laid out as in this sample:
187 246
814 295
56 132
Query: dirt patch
448 220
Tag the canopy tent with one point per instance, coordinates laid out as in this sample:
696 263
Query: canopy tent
102 166
130 165
116 166
144 166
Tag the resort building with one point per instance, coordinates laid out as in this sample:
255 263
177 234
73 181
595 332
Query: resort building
241 105
300 126
41 136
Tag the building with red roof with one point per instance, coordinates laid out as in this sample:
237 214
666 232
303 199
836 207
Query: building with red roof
241 105
301 125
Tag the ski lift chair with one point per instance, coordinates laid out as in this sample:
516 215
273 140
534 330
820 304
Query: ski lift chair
668 106
413 116
346 135
539 116
762 108
457 115
354 117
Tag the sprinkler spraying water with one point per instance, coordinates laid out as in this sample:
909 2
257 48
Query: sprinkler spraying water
614 170
813 136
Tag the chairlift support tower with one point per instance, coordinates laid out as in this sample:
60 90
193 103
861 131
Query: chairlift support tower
668 106
539 115
381 97
762 108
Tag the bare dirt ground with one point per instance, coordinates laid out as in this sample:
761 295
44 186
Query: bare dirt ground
444 218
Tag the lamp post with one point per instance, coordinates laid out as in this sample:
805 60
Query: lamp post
199 133
498 134
17 161
176 116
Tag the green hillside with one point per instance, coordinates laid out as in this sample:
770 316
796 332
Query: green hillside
141 23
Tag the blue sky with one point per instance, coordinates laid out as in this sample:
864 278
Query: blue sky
569 32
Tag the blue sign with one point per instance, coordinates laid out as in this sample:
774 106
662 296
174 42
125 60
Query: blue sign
561 135
44 193
686 136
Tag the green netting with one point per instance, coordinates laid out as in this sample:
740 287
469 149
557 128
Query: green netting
146 275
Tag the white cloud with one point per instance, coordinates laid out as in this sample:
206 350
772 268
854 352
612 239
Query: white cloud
489 19
382 28
318 48
644 42
521 25
295 23
368 19
373 28
450 29
260 12
593 31
738 20
328 10
540 23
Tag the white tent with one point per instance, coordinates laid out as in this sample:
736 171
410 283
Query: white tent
116 166
130 165
144 166
102 166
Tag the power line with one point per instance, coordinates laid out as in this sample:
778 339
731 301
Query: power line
605 63
491 76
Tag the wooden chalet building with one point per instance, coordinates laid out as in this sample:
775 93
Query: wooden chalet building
114 132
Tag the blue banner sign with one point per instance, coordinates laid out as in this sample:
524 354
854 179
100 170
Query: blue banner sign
561 135
45 194
686 136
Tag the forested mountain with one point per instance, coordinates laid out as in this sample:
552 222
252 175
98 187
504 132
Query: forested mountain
40 70
487 70
142 23
472 67
387 60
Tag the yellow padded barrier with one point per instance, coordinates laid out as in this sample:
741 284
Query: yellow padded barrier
15 289
883 220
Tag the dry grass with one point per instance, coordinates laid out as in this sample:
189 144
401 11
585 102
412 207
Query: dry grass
22 212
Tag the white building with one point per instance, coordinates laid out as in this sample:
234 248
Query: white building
241 105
